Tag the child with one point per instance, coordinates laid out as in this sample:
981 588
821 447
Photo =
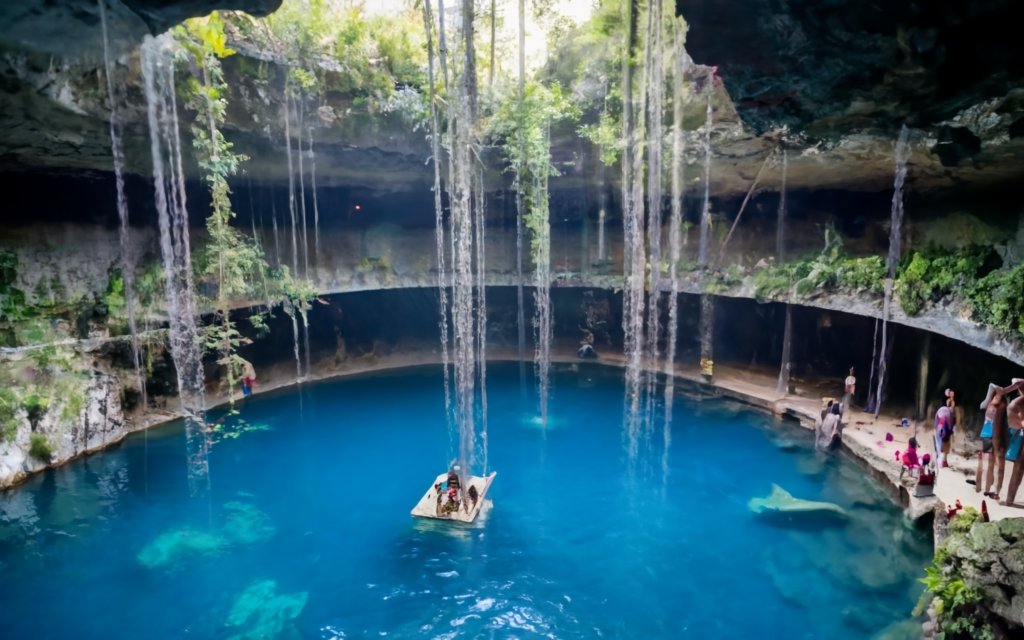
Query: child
909 457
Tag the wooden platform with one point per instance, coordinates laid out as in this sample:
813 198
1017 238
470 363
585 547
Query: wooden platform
427 507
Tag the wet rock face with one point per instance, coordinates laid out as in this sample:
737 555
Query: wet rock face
72 27
991 558
826 66
98 422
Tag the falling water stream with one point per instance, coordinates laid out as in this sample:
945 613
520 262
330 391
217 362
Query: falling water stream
707 302
316 206
169 188
892 261
675 223
291 185
117 151
299 118
780 253
435 147
655 83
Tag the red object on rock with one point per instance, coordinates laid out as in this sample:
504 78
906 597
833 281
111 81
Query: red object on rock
984 511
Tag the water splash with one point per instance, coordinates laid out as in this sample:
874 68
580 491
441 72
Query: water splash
169 188
892 261
117 151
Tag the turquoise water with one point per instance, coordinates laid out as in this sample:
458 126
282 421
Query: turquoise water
306 532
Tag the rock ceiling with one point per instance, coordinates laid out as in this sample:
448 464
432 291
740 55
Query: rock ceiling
839 76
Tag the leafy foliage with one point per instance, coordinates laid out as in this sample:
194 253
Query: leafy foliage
8 415
928 276
523 126
231 265
828 271
40 447
35 407
955 601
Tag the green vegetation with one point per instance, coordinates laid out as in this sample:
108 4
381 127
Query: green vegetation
231 263
40 447
341 49
8 415
829 271
522 125
722 281
927 277
35 408
955 601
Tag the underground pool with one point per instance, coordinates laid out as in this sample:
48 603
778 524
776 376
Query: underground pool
305 530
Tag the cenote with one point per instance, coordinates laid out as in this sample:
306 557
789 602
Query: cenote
306 532
277 274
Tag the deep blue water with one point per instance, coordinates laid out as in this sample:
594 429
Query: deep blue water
306 531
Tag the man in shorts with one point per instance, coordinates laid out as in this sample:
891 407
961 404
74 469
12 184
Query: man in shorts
993 429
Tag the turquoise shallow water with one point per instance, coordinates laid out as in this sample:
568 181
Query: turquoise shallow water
306 532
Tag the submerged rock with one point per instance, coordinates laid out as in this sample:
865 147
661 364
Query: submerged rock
169 547
244 525
782 502
260 612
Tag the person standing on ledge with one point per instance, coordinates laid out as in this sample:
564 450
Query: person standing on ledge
1015 419
943 435
849 389
993 446
248 378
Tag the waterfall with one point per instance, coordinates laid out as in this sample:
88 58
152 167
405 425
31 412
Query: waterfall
675 223
634 274
117 151
481 315
707 302
655 83
468 310
299 118
316 206
520 210
780 251
169 188
705 217
787 350
542 290
780 227
273 219
893 260
435 146
291 182
293 314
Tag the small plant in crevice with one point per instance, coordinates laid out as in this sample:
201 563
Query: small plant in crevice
8 415
40 447
35 407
